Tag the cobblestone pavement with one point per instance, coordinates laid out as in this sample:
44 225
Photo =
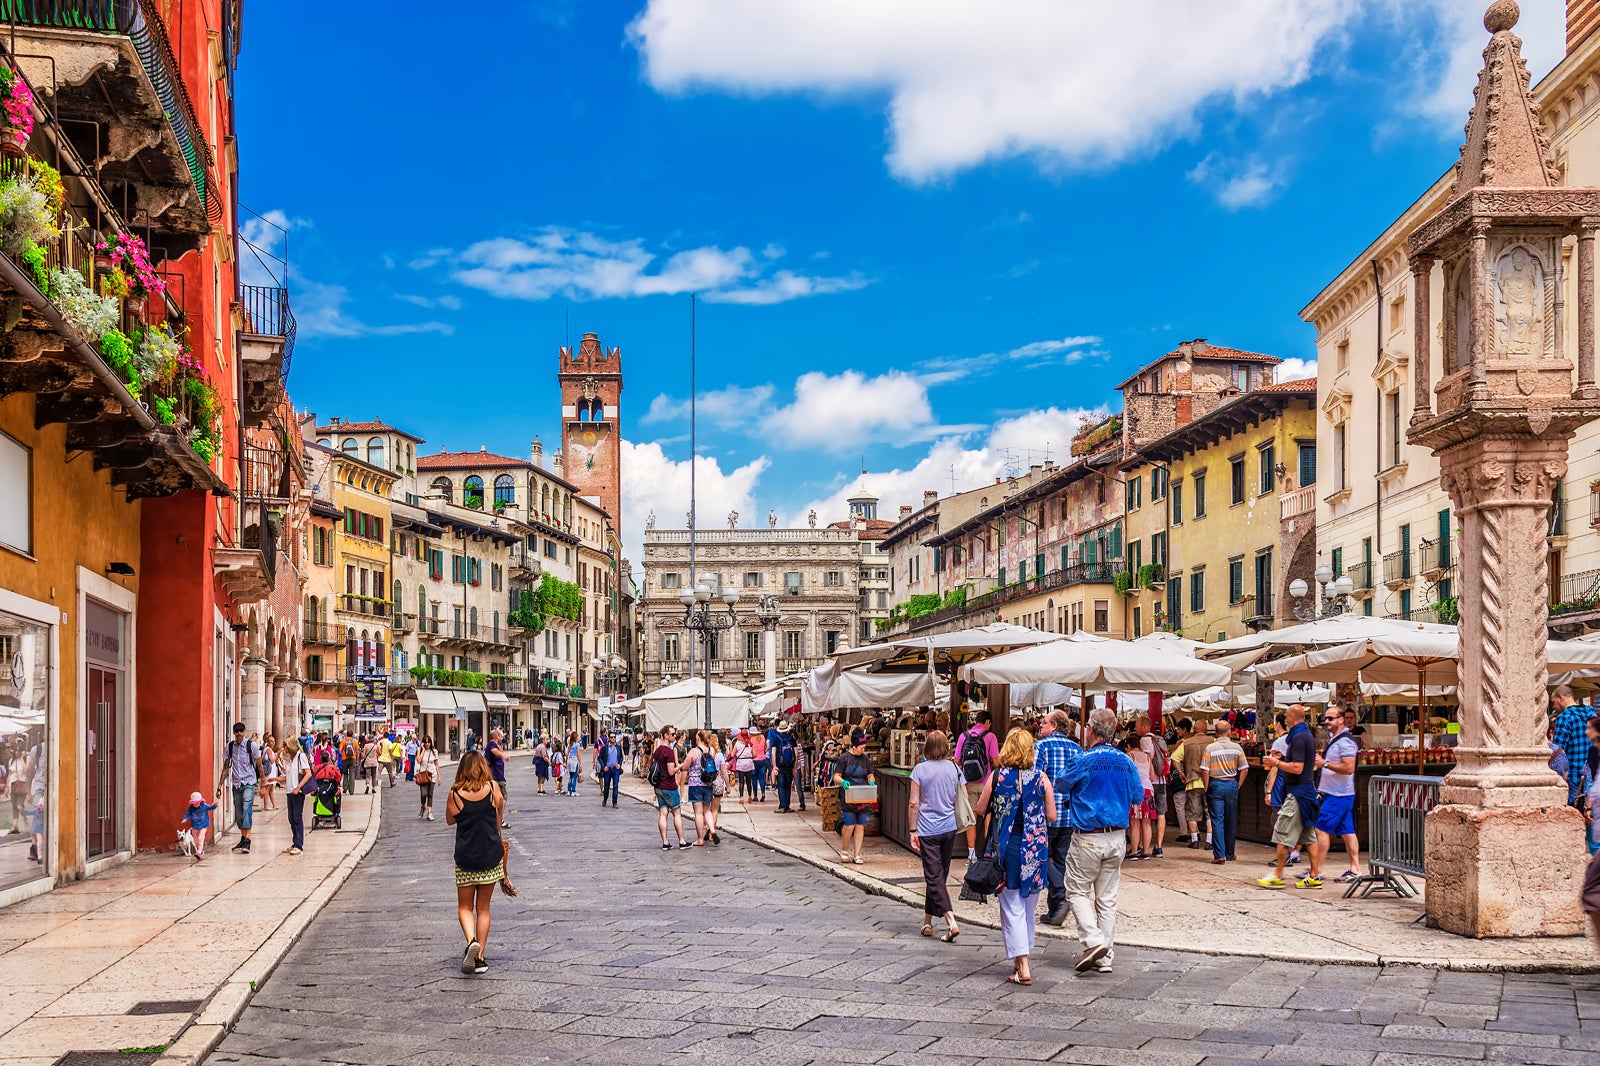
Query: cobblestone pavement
619 952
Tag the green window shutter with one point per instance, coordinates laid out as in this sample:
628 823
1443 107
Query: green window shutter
1338 561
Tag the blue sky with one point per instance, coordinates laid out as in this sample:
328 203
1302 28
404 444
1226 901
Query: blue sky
927 232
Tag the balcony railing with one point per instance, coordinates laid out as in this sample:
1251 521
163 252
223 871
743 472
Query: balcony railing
1397 568
138 22
1435 556
402 623
470 631
370 606
1360 575
1579 592
1077 574
1300 501
266 344
322 633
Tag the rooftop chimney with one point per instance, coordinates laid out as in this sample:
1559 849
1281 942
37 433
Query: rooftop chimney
905 511
930 497
557 466
1583 18
536 453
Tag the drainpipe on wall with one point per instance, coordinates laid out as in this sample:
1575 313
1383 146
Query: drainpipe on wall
1377 540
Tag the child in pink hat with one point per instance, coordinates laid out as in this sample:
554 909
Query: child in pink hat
197 819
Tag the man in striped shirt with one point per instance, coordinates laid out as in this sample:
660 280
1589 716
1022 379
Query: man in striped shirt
1053 755
1224 768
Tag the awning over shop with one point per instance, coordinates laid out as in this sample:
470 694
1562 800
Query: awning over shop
468 700
436 701
497 699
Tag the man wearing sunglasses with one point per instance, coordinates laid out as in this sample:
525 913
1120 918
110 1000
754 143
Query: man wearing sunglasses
1338 792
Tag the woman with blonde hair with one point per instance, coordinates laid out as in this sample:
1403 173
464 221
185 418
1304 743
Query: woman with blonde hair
476 808
932 814
1021 805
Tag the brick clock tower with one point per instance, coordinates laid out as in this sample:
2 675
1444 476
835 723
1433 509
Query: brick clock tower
591 426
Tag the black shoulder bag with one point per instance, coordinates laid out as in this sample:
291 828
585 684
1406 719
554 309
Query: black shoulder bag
985 875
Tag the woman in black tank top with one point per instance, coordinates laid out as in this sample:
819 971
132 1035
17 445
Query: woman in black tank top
476 808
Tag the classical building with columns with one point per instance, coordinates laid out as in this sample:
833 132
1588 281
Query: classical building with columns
813 572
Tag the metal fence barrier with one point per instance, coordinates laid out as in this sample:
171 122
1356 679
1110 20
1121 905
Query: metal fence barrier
1397 806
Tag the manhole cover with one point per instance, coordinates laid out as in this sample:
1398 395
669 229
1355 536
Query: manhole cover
108 1058
166 1006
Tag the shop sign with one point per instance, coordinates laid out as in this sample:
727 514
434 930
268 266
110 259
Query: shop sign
102 634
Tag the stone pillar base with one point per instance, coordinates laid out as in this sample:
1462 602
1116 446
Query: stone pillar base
1505 871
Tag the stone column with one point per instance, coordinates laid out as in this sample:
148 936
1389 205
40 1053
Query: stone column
1502 803
1586 389
769 653
1422 339
292 718
1478 310
253 695
276 710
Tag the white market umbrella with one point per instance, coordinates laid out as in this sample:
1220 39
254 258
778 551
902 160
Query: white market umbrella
947 649
1323 632
682 705
1099 665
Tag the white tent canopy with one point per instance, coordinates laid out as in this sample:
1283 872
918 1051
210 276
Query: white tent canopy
1099 665
961 646
682 705
1336 629
830 688
1407 658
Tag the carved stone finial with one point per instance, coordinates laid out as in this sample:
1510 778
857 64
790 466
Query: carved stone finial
1501 16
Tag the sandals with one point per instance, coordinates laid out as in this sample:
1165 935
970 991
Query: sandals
1018 979
859 861
950 935
927 928
844 856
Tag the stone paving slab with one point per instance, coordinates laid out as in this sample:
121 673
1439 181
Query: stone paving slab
164 927
1182 901
617 952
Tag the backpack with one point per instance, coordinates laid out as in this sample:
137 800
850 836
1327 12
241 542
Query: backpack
1162 770
654 774
708 767
785 752
974 757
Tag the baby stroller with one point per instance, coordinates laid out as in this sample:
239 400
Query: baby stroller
325 801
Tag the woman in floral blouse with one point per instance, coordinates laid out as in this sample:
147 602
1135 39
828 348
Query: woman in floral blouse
1021 804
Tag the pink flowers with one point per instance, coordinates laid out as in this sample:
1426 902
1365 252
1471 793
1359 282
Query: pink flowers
17 100
130 257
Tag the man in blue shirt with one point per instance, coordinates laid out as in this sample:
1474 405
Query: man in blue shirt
1052 756
1099 790
1570 722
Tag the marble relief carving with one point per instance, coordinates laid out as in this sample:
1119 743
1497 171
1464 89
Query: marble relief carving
1519 304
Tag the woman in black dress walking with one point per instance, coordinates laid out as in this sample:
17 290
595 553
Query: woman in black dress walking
476 807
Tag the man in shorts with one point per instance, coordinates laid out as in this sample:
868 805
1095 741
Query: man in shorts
664 773
1338 793
1293 769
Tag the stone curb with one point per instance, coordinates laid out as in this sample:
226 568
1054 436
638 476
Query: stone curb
228 1002
873 886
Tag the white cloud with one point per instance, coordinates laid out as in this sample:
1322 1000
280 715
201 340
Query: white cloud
654 482
447 301
942 370
1075 84
1067 84
1237 183
1446 41
585 266
319 311
843 411
1011 446
727 407
1295 370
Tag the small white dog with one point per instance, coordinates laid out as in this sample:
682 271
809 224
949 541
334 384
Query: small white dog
186 842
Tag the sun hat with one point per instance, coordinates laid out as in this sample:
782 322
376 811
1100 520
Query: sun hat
783 727
195 798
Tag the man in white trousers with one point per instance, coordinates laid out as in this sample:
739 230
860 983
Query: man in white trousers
1101 789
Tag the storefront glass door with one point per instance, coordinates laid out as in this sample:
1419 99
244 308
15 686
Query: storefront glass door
25 725
103 650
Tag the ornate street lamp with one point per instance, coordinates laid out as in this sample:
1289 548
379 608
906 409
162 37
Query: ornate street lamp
768 613
1334 592
611 670
699 615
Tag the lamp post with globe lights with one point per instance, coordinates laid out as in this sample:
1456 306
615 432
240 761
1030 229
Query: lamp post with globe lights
1335 592
700 616
612 671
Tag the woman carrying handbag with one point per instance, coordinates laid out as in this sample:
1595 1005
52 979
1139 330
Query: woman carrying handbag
1020 804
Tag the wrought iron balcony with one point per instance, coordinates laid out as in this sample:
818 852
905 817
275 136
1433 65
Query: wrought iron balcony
109 70
322 633
1580 592
1434 557
266 345
1360 575
1397 569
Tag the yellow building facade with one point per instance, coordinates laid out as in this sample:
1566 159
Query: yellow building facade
1206 510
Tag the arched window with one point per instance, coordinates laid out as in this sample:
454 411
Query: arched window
399 595
312 617
442 488
544 501
505 491
583 410
472 492
472 619
351 447
375 451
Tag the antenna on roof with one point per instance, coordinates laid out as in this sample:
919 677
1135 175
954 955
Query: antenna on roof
952 479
